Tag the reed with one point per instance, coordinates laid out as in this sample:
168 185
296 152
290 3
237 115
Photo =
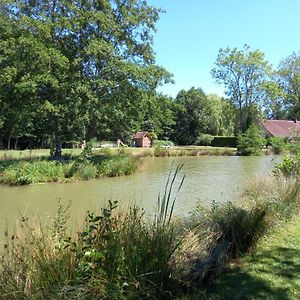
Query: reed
122 255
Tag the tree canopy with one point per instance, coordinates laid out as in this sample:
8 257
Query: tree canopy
69 64
242 72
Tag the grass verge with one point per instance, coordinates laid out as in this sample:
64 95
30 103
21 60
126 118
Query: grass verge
273 272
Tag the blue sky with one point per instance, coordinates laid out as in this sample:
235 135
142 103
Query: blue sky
191 32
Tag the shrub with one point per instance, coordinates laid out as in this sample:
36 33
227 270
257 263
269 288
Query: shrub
251 142
294 146
224 141
116 166
225 232
160 143
88 171
204 139
289 167
278 144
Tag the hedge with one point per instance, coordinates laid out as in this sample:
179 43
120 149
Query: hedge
224 141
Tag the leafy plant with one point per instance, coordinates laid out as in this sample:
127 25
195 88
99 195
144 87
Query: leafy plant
204 139
289 167
278 144
251 142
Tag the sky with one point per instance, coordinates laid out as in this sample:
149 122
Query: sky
191 32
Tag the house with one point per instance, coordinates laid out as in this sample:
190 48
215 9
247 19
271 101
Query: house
281 128
141 139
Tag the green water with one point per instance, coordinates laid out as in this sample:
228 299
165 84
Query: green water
207 179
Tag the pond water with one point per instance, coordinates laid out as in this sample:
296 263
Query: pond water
208 178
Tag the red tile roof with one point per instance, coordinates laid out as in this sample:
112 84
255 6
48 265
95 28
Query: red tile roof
282 128
140 135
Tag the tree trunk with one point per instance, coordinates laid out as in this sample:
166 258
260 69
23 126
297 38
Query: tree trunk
16 143
8 143
57 152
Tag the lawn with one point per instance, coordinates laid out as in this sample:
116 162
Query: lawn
272 272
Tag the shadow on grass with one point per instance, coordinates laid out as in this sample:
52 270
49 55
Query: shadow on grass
269 274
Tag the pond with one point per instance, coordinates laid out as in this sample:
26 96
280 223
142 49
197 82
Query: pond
207 178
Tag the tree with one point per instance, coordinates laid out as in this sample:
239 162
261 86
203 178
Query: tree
158 115
74 59
289 82
193 115
242 72
274 99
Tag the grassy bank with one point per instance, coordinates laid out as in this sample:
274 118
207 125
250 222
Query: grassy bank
35 166
120 254
141 152
70 168
272 273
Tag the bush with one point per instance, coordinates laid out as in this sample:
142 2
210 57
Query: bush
289 167
204 139
117 166
251 142
161 143
278 144
88 171
224 141
294 146
225 232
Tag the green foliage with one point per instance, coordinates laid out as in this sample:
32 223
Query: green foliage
163 143
125 256
278 144
32 172
116 255
204 139
83 167
251 142
87 172
76 70
256 276
152 136
294 146
117 166
288 79
289 167
241 228
224 141
193 116
243 73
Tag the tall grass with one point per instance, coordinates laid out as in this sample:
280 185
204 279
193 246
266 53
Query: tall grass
80 168
116 255
123 255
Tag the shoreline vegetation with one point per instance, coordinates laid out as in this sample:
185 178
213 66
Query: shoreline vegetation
36 166
121 255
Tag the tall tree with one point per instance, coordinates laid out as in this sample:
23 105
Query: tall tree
275 107
193 115
77 57
242 72
289 82
158 115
